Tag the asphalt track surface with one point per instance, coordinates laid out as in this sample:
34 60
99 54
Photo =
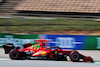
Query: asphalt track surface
6 62
44 63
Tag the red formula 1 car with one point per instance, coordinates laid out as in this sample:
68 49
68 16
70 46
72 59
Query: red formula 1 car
39 51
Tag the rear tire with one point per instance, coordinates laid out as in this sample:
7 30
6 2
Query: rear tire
14 54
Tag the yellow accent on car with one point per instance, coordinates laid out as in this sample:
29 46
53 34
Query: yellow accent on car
43 53
55 52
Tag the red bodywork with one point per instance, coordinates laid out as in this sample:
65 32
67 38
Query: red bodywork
54 53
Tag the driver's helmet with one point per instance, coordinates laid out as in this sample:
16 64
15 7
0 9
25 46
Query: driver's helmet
43 42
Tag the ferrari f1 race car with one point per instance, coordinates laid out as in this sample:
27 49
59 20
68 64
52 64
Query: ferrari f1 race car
39 51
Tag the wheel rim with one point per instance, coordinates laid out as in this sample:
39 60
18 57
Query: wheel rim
14 54
75 56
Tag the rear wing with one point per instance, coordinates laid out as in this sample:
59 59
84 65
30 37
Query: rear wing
8 47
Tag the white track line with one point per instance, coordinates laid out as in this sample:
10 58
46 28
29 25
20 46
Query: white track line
4 59
67 61
97 62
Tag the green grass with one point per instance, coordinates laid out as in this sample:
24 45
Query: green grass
41 25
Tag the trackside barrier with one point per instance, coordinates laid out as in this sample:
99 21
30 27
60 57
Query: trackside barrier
79 42
17 39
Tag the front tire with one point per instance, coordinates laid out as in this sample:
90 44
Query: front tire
74 56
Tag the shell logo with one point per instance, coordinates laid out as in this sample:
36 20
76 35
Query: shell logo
43 53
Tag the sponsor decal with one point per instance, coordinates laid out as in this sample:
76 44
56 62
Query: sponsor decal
43 53
60 53
29 53
15 41
56 52
67 42
37 53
